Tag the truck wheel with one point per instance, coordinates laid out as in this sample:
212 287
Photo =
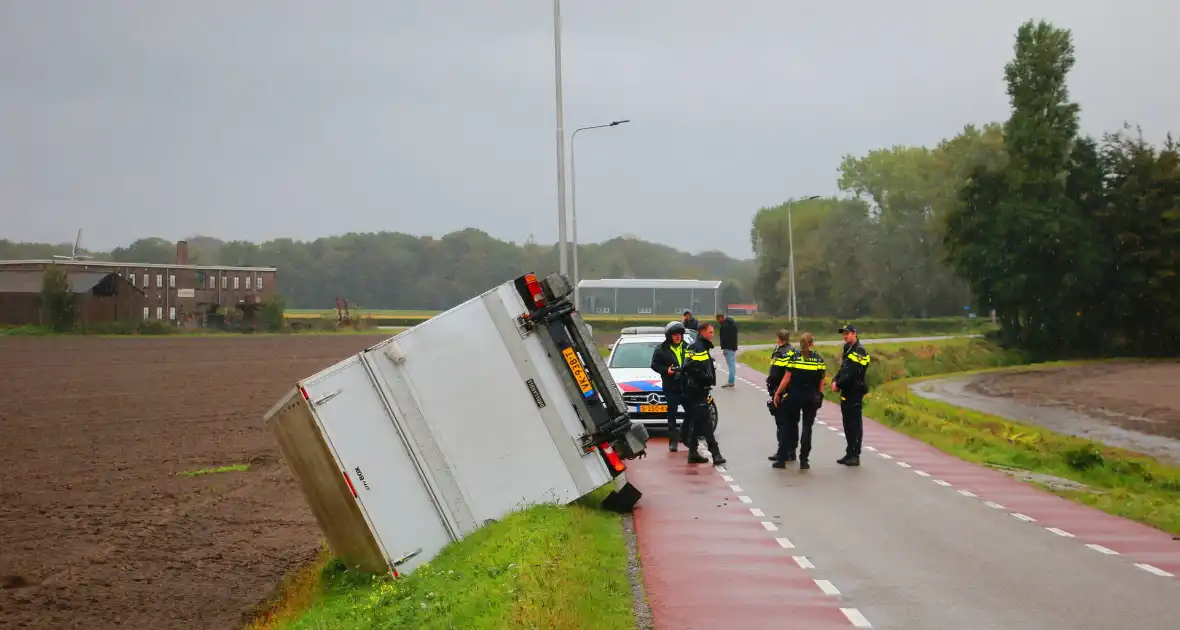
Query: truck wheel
713 414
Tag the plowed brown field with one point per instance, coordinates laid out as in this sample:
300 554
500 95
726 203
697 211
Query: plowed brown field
97 527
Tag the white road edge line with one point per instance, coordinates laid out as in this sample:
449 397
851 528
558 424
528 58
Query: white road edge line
945 484
922 473
1024 517
1156 570
804 563
745 499
770 527
858 620
756 512
1101 549
993 504
967 493
1060 532
827 587
783 542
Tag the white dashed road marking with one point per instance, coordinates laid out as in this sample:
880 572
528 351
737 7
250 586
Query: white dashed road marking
903 465
784 542
945 484
967 493
770 527
756 512
804 563
885 455
1156 570
1024 517
1060 532
727 478
922 473
993 504
827 587
869 448
745 499
1101 549
735 488
858 620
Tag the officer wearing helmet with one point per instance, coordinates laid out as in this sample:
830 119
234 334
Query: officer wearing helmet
667 361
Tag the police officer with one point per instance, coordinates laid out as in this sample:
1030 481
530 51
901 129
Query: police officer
800 394
690 322
668 362
779 360
700 376
850 382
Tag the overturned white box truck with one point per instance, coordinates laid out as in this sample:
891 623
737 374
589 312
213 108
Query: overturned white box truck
499 403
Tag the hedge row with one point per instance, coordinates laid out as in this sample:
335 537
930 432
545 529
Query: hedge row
931 326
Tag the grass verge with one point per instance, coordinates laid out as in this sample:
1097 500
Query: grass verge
213 471
1125 484
544 567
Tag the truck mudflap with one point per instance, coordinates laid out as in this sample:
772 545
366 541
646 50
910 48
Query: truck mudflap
552 315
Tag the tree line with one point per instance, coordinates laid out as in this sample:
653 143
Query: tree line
1073 241
391 270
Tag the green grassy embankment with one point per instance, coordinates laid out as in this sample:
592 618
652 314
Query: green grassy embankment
545 567
1123 483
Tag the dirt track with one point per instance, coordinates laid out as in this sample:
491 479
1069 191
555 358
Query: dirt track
1141 397
98 528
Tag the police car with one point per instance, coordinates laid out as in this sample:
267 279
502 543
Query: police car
643 392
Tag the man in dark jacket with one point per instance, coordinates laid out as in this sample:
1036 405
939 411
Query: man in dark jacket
690 322
700 375
850 382
668 362
729 345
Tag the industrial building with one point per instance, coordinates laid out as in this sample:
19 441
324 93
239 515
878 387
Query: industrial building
184 294
634 296
100 297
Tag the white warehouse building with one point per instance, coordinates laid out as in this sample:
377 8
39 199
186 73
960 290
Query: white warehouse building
636 296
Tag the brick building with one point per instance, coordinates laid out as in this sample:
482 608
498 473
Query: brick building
191 295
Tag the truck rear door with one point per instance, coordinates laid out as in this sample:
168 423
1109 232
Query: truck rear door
362 434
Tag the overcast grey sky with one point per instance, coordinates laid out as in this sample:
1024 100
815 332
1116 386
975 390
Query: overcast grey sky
257 119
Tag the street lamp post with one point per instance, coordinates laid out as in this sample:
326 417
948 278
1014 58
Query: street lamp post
791 263
562 236
574 201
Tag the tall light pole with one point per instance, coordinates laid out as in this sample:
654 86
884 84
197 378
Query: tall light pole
791 242
562 236
574 200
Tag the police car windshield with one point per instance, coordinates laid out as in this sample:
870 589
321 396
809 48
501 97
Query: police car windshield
633 355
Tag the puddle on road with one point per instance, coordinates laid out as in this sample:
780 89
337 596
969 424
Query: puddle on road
958 391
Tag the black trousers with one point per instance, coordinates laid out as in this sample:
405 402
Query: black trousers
852 413
674 398
697 421
794 422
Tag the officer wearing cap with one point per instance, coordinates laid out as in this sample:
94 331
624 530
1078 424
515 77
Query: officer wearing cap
850 382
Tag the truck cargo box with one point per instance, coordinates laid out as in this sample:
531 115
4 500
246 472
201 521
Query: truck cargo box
497 404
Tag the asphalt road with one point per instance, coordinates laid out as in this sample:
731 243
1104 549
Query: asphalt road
837 342
917 550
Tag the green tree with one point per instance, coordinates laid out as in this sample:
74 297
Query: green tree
272 312
57 299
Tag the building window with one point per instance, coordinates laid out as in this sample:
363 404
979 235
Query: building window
645 311
131 278
247 283
159 312
237 283
159 280
258 283
200 279
172 280
224 280
172 313
147 312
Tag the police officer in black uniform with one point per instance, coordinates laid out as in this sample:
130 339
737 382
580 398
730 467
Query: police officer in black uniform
668 362
700 376
850 382
799 395
779 360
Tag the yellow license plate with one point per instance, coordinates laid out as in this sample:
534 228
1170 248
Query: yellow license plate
583 381
653 409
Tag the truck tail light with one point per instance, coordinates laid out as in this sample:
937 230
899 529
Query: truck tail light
534 287
351 487
612 458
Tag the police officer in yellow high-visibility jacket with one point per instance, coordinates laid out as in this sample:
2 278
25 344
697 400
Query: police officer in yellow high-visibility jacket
779 359
700 376
799 395
850 382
